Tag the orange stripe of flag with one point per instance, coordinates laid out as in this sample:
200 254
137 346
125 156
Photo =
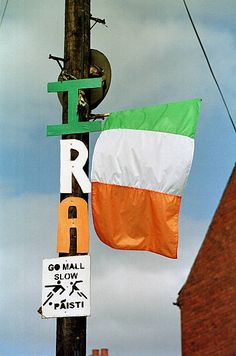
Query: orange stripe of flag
130 218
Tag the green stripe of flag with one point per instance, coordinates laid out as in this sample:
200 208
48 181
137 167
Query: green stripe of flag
176 118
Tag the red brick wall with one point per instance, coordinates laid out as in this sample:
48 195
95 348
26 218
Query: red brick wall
208 299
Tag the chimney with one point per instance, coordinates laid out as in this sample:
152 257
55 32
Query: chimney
95 353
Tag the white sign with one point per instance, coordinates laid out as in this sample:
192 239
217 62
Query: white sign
66 287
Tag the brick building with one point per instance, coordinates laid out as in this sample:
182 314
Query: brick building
207 300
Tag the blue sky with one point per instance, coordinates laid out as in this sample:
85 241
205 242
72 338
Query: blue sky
155 58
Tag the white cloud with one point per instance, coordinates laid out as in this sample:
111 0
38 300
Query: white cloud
27 236
27 36
161 60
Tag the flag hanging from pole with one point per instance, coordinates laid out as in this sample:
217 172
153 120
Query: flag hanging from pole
140 166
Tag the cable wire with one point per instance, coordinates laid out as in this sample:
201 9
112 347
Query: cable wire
210 67
3 14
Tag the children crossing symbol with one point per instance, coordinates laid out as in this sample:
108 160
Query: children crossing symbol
66 287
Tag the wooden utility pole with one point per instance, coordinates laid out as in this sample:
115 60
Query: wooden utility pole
71 331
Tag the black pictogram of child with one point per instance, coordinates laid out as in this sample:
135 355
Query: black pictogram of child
56 288
76 289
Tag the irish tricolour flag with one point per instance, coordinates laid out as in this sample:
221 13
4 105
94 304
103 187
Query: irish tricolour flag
140 166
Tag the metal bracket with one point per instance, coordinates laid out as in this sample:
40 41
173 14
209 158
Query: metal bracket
97 20
59 59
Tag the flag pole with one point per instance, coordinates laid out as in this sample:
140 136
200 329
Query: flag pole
71 331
